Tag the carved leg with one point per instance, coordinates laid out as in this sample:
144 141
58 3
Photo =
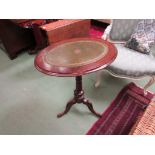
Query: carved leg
151 81
68 106
98 79
90 107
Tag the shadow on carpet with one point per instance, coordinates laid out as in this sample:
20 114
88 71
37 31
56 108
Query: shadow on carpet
123 112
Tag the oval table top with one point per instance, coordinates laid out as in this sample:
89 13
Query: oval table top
75 57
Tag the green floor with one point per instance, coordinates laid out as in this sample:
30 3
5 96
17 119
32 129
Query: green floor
30 100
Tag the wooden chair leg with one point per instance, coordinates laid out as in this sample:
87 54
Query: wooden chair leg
151 81
12 55
98 79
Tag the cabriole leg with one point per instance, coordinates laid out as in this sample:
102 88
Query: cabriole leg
151 81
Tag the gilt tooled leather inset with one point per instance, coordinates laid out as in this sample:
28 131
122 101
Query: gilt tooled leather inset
75 54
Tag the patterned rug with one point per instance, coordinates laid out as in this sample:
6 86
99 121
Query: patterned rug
123 112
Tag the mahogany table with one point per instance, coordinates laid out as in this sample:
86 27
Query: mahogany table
76 57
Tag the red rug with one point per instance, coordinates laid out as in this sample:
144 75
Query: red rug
122 113
96 31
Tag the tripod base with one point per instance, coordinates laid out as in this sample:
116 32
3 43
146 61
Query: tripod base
79 98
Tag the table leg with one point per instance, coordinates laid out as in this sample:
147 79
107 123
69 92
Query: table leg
90 107
79 98
68 106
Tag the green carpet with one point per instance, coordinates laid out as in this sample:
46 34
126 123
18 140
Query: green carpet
30 100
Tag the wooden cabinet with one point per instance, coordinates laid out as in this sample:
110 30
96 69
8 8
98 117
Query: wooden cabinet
66 29
15 38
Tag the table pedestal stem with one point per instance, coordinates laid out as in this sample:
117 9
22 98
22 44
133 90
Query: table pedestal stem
79 98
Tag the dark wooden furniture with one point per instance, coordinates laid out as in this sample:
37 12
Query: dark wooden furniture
15 38
34 34
17 35
76 57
